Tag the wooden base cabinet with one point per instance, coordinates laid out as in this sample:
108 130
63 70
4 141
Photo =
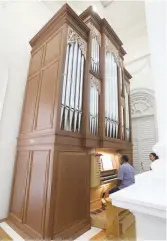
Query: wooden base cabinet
51 192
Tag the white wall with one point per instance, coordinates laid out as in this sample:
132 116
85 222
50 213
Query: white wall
19 22
141 72
137 61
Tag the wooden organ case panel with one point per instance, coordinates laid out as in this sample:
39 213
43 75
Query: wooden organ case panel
51 160
71 208
76 99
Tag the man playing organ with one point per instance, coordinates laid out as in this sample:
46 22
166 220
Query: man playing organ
126 175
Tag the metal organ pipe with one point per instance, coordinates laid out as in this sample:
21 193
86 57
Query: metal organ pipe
95 55
98 56
120 77
122 116
73 84
77 89
62 119
80 93
94 105
97 107
67 97
106 92
117 118
92 55
111 96
91 108
116 101
71 108
127 109
94 83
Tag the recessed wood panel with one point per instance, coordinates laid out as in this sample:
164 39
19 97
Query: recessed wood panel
53 47
36 61
29 105
37 191
45 111
72 199
20 184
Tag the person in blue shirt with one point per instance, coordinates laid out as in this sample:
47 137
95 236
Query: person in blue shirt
126 175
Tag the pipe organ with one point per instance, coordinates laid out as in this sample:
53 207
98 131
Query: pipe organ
77 101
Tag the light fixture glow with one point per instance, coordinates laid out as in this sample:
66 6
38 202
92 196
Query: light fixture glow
94 9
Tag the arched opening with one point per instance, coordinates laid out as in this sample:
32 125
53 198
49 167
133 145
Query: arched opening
143 127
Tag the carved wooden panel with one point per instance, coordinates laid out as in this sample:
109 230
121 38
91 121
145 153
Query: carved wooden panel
37 190
53 47
29 105
19 185
72 199
45 111
36 61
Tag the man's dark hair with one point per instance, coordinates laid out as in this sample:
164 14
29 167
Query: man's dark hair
125 158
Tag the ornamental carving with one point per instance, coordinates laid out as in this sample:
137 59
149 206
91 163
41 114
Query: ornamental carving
95 82
142 103
74 37
95 33
111 48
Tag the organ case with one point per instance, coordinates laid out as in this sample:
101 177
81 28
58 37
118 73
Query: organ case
77 99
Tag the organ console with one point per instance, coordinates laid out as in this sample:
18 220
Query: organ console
75 122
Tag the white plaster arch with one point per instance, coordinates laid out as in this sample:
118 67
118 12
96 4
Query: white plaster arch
144 131
142 102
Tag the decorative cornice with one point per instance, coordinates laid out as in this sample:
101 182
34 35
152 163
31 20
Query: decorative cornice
73 37
127 75
64 14
92 14
111 31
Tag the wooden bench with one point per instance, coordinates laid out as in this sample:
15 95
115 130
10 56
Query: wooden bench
120 223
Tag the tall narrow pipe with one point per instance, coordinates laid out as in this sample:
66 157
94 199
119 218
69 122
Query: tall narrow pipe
97 111
66 124
64 85
91 107
73 85
80 93
94 110
127 111
116 87
96 116
98 56
120 77
107 73
111 94
77 88
92 54
115 98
